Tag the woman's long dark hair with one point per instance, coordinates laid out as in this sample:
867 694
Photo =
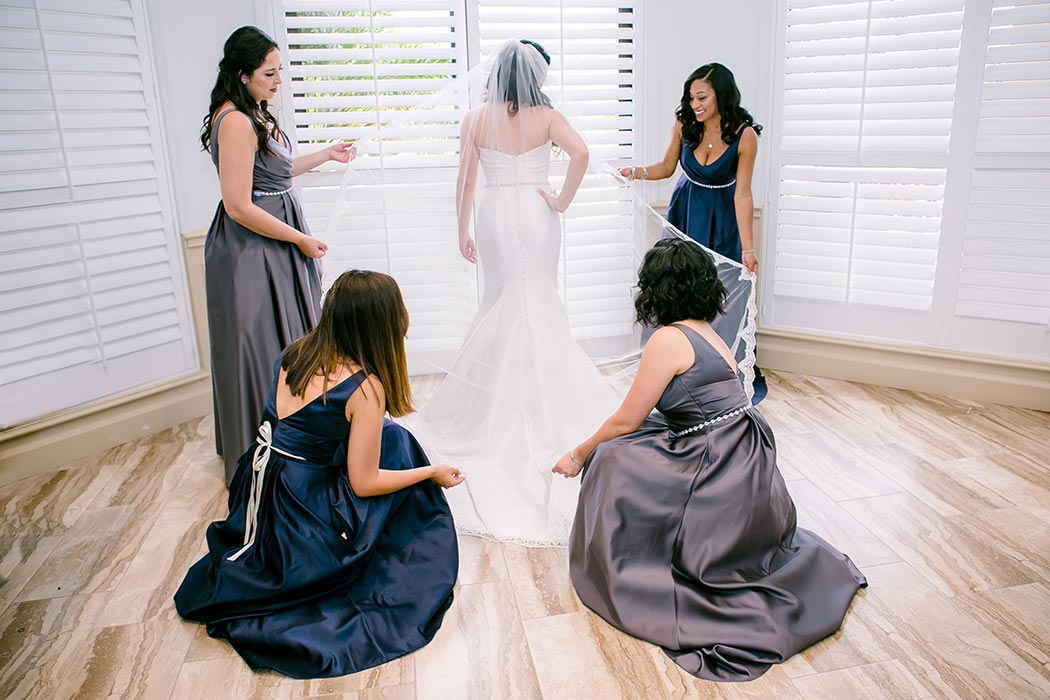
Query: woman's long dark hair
363 320
245 50
678 281
727 95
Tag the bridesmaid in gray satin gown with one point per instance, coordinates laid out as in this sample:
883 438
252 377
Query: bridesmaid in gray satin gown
261 270
685 532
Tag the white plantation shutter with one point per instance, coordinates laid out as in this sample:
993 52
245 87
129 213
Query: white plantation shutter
355 68
91 298
1005 272
913 198
868 93
594 46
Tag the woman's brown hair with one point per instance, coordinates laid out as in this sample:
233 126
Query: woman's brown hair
363 320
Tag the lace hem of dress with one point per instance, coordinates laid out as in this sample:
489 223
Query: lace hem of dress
747 367
489 537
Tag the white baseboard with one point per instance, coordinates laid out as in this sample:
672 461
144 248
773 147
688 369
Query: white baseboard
1021 383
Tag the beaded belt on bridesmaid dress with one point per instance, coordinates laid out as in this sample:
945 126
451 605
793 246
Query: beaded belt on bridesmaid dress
259 461
710 187
718 419
278 193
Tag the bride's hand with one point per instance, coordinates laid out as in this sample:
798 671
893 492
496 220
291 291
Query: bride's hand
468 249
567 466
447 476
553 201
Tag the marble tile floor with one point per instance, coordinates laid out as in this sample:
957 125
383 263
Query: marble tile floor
944 504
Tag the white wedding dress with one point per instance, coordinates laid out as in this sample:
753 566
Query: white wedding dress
522 392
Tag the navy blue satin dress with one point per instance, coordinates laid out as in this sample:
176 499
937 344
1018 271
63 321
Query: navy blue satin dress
326 583
702 205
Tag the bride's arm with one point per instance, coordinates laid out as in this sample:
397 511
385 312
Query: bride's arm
466 183
667 353
566 138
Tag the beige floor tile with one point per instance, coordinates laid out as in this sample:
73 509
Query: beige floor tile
140 661
949 652
21 560
954 555
145 591
829 463
817 512
540 577
480 652
88 558
579 656
480 561
225 679
1016 477
1019 617
37 637
885 680
397 674
945 491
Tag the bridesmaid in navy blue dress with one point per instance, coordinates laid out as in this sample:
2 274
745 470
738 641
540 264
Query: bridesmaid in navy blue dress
339 552
716 141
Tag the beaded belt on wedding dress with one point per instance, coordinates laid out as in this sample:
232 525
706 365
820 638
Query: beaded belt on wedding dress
259 461
719 419
710 187
518 184
260 193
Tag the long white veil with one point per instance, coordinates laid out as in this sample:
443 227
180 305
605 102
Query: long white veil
519 358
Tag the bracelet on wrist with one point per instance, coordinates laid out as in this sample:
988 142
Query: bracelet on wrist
645 172
572 456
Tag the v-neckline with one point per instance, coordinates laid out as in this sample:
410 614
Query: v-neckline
734 372
715 161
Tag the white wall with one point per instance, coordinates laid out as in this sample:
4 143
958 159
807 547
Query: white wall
679 36
187 45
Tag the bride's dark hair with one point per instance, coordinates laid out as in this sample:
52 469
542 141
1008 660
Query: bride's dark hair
244 51
727 95
514 81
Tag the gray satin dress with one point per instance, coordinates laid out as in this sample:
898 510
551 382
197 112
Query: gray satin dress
687 539
262 295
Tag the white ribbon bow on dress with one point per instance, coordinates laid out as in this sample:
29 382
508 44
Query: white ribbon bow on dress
259 461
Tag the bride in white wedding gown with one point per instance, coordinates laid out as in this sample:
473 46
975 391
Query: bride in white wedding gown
521 389
518 390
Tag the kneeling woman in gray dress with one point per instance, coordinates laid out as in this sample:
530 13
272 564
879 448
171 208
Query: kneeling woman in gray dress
262 277
685 533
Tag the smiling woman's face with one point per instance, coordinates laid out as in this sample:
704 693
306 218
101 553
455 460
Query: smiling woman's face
702 100
263 82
